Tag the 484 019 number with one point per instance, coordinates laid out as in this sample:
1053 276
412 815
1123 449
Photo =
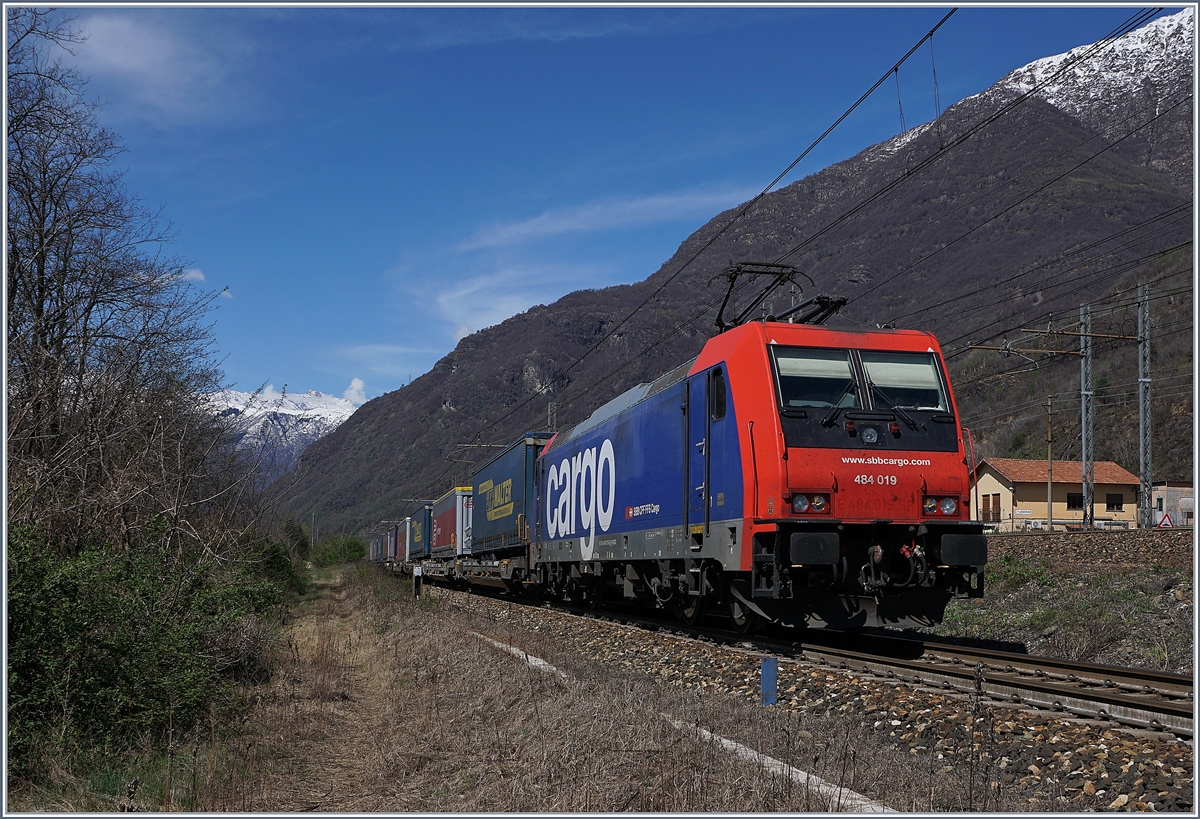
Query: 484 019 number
880 480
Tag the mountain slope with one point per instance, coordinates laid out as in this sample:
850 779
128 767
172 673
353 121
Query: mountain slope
972 227
278 428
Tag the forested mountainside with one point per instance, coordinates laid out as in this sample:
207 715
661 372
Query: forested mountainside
1007 213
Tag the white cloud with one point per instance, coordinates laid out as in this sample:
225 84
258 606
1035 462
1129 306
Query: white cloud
389 360
608 215
486 299
225 294
354 393
448 29
161 67
193 275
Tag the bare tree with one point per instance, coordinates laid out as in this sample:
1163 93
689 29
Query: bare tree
109 346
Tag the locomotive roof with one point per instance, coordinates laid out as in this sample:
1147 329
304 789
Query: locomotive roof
897 339
627 399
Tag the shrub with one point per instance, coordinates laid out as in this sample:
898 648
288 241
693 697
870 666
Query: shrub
106 647
338 548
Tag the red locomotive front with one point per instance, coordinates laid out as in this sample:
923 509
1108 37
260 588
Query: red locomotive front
856 505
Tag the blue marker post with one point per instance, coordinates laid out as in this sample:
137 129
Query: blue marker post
770 680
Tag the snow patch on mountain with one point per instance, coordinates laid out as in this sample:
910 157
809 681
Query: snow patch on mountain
1109 70
277 427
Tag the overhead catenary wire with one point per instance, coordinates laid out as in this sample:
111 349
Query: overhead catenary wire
1022 200
1111 273
1110 303
1070 405
1124 28
729 224
1023 368
1160 331
1007 180
710 307
1090 277
1176 216
1131 23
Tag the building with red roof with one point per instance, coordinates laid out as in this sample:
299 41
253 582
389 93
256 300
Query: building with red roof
1010 495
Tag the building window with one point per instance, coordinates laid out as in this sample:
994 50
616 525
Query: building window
1114 503
1074 500
1158 504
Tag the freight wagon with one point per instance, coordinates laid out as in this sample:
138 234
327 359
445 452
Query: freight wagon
418 529
504 513
450 530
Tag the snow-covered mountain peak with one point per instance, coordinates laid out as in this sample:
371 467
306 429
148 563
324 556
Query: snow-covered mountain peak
278 427
318 404
1108 70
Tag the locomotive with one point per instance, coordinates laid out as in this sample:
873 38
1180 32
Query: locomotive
790 473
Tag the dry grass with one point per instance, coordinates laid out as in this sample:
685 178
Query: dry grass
380 702
389 704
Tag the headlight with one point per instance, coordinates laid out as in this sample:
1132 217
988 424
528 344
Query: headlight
869 435
799 503
948 506
819 503
929 506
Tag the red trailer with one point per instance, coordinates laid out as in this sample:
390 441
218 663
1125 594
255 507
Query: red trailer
451 530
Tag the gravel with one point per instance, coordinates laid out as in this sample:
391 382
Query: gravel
1117 598
1074 551
1037 761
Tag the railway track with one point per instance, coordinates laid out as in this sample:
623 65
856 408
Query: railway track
1129 697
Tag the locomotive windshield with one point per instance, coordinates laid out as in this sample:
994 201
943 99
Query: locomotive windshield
815 378
828 396
905 380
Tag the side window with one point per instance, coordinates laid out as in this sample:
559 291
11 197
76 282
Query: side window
716 395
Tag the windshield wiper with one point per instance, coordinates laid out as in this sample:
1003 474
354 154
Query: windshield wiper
904 416
832 415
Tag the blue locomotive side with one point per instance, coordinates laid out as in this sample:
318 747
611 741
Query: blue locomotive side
646 477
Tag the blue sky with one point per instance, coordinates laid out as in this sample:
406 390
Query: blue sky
372 184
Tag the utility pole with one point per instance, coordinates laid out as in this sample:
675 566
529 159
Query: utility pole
1049 470
1146 490
1085 395
1146 494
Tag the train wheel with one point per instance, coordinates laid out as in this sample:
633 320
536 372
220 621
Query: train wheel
692 612
572 592
742 617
